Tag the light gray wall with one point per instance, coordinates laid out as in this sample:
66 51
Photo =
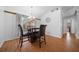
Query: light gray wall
73 25
77 23
54 27
8 26
1 25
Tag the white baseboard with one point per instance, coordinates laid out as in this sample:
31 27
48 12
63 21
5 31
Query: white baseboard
58 36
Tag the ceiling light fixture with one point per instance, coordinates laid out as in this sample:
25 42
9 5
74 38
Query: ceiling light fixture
54 9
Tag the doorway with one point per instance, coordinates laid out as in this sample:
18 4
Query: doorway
69 26
69 22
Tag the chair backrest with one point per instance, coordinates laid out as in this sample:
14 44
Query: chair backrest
42 29
21 30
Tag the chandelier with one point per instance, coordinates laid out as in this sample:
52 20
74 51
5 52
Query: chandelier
31 17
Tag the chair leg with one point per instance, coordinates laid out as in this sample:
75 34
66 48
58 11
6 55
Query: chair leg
21 42
45 40
28 38
39 42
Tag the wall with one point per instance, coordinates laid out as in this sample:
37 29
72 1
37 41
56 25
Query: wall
54 28
77 23
8 26
1 25
73 25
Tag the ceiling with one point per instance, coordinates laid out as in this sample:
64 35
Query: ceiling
67 8
37 11
68 11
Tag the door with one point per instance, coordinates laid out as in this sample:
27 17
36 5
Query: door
10 26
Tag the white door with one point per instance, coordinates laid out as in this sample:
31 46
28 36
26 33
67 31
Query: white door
10 27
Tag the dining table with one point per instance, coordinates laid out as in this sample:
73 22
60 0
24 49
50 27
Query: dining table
33 32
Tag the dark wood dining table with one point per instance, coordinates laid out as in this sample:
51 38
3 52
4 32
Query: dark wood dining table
33 32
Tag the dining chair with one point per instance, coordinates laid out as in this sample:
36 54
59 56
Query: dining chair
22 35
41 34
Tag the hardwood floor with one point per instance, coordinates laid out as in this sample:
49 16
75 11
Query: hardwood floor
66 44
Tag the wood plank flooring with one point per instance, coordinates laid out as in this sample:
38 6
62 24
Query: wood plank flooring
54 44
